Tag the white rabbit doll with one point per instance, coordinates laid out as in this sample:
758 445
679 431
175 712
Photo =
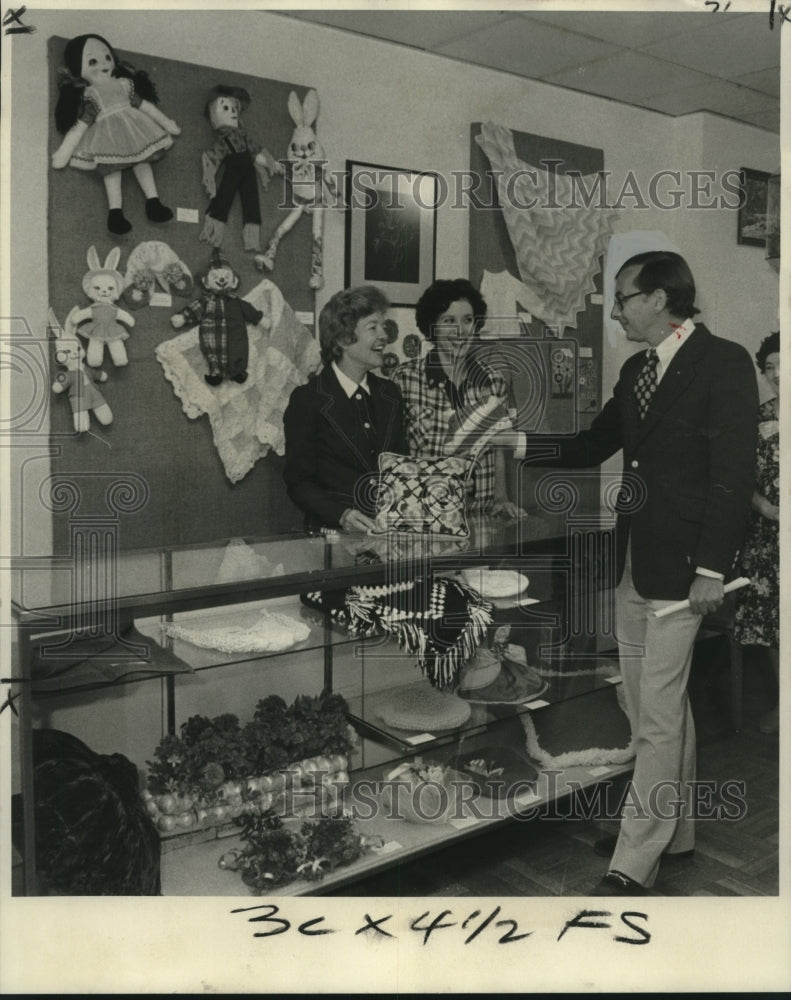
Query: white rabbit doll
308 176
102 322
83 394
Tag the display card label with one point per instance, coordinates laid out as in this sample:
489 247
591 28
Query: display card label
420 738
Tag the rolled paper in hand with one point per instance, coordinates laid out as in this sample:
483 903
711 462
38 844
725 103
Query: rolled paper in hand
741 581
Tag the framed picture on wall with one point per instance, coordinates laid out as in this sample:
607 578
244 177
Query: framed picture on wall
390 229
752 213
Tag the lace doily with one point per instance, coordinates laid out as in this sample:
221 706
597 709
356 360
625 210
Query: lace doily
273 632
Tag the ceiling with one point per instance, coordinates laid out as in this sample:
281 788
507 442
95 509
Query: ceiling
673 62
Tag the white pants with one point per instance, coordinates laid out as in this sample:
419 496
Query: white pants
655 658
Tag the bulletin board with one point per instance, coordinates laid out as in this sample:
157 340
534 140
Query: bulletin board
188 497
569 404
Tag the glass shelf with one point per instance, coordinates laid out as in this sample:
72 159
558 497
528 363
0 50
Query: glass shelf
597 674
49 592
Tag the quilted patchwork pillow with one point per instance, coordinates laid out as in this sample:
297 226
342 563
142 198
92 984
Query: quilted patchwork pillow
424 495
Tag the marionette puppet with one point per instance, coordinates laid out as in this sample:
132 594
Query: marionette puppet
240 162
308 176
103 322
107 113
222 317
83 394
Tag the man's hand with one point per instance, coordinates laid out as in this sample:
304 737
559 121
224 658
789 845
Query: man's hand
705 595
355 520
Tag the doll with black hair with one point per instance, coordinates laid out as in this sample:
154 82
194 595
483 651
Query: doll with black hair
107 113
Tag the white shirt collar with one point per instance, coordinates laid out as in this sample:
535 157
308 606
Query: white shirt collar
667 349
348 385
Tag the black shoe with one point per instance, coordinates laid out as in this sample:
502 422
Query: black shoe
117 223
241 378
617 884
213 380
156 211
605 848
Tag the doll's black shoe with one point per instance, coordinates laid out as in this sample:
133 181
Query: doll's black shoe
240 378
117 223
213 379
156 211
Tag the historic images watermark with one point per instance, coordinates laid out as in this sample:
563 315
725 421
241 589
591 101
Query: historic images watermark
545 186
456 800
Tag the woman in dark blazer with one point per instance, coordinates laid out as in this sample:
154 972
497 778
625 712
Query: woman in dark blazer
337 424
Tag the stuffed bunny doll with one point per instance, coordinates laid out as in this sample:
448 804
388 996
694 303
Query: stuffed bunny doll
223 319
102 322
241 163
107 114
308 176
83 394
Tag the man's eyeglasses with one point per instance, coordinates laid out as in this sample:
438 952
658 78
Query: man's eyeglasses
620 299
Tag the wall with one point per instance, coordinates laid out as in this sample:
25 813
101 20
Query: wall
395 107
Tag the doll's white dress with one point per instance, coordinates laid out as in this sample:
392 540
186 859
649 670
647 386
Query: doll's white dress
119 134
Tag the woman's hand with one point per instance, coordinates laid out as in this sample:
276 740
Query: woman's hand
355 520
507 509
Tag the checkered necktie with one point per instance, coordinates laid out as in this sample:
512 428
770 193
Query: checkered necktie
647 381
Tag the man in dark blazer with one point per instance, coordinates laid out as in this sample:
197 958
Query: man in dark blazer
343 418
684 414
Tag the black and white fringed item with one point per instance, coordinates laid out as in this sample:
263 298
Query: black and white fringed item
441 622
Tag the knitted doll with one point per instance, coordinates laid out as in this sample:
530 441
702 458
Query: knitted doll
107 113
308 177
241 163
84 397
104 322
223 319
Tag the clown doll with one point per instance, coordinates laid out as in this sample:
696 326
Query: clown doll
107 113
223 319
241 163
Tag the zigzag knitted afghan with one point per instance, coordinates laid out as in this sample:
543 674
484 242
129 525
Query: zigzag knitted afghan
441 621
557 241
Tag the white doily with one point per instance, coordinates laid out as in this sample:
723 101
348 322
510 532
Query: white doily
272 632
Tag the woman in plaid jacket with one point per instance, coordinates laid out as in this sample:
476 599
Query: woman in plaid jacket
451 394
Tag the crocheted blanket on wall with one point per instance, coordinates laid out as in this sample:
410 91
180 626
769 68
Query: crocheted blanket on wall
441 621
559 240
246 420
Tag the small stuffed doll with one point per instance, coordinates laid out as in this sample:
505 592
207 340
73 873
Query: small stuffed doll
107 113
104 322
242 163
83 394
223 319
308 176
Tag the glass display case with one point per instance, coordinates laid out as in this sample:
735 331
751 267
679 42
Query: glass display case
121 649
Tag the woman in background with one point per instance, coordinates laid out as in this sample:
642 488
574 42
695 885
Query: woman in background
445 387
757 620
